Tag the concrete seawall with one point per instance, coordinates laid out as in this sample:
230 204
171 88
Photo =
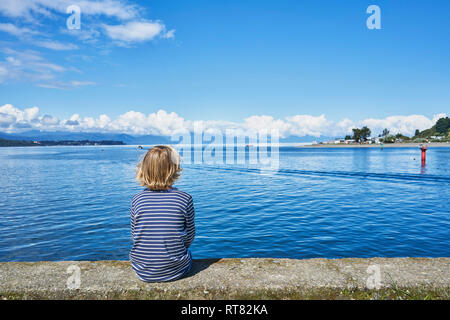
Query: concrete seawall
379 278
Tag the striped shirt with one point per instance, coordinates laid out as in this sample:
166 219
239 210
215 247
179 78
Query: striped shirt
162 227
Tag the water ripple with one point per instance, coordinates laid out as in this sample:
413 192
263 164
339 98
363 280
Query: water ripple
72 203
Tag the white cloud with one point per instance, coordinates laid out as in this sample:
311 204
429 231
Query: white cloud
438 116
161 123
298 125
29 65
125 25
401 124
56 45
26 33
28 114
132 27
65 85
6 120
82 83
28 8
13 61
48 120
344 127
302 125
258 123
3 73
137 31
165 123
169 34
16 31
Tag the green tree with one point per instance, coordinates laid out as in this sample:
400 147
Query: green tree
417 133
442 125
365 133
362 134
385 133
402 137
357 134
389 139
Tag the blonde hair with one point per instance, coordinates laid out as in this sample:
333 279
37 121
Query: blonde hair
159 168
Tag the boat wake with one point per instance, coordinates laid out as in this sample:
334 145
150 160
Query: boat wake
400 177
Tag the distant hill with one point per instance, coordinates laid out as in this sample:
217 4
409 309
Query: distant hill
16 143
25 143
36 135
441 128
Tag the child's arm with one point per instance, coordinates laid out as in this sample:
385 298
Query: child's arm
189 223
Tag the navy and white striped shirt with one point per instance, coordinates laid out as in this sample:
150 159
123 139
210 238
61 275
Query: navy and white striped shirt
162 227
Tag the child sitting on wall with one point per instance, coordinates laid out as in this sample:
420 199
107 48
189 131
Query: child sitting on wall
162 219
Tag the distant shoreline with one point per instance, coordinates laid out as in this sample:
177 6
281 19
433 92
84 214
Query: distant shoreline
385 145
281 145
50 143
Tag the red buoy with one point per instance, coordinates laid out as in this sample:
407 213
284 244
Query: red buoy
424 150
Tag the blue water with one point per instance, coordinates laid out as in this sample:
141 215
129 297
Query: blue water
72 203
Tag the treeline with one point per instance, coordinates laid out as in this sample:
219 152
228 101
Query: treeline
439 132
80 143
386 137
15 143
441 128
23 143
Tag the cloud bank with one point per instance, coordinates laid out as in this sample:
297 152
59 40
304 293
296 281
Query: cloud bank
13 119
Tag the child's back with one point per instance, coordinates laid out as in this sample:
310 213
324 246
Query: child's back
162 227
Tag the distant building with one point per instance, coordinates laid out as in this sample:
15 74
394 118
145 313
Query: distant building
373 139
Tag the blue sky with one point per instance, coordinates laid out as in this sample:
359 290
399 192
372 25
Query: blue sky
227 61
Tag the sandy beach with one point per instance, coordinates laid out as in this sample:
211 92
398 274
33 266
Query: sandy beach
386 145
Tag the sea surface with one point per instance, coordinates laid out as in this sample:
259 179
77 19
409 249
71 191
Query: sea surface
72 203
